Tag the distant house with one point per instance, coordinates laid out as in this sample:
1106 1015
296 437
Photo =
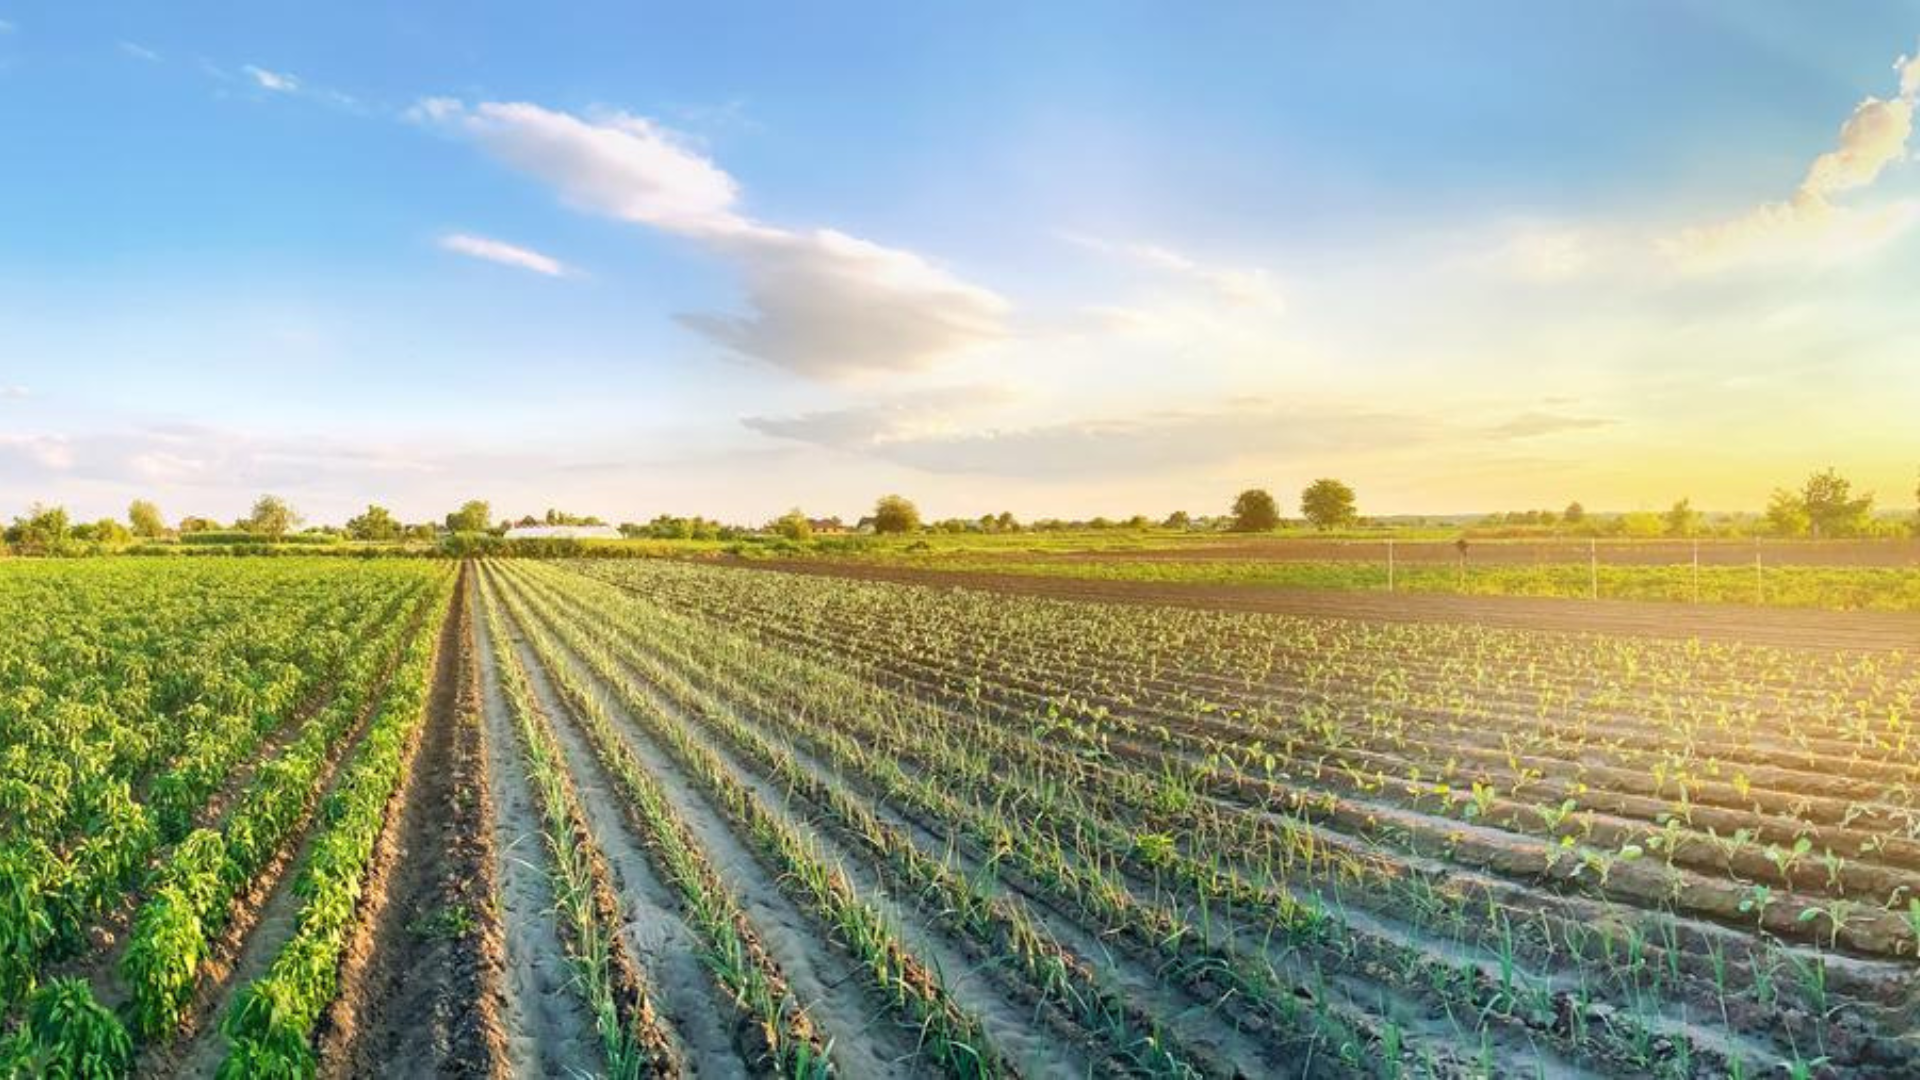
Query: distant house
826 526
563 532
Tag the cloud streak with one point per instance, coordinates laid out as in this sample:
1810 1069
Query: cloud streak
820 303
1253 287
1810 222
1154 442
276 81
503 253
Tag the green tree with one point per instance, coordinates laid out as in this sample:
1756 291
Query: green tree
1255 511
1179 519
1787 514
1832 508
192 524
107 531
1682 519
43 531
1574 514
895 514
793 525
472 517
1328 504
272 517
1642 524
145 519
376 524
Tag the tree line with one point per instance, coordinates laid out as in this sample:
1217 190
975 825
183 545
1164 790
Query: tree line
1824 506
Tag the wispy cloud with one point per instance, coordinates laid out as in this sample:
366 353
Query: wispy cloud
924 414
821 303
1241 285
1535 424
499 251
14 393
1810 222
277 81
7 27
1119 446
138 51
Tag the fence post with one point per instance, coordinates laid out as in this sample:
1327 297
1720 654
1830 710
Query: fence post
1593 568
1389 564
1759 577
1696 570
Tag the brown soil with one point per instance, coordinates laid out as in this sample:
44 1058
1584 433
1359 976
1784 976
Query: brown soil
420 978
1780 627
1491 552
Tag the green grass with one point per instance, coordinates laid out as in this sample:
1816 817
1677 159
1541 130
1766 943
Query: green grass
1838 588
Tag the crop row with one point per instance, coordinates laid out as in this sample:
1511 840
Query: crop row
1673 960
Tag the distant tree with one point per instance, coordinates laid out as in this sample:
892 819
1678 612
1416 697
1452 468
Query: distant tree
107 531
145 519
376 524
1832 508
44 530
894 514
1138 522
1574 514
1683 520
1006 522
1642 524
191 524
473 516
793 525
1328 504
425 531
561 517
1255 511
272 517
1179 519
1787 514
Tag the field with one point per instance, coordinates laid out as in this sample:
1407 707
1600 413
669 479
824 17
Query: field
1845 575
652 817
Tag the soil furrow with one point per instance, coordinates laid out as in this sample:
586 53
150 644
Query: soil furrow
866 1042
414 979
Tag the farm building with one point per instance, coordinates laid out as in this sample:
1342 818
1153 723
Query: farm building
563 532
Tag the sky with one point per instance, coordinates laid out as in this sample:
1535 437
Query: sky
1061 259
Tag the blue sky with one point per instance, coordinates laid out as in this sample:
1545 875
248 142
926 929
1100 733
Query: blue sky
1053 258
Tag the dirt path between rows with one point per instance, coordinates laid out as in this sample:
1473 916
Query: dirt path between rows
549 1030
420 977
1870 631
826 982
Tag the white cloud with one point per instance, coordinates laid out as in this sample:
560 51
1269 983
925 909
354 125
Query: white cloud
1121 446
498 251
1809 223
1547 254
820 303
195 456
278 82
1252 287
14 393
1531 425
138 51
923 414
